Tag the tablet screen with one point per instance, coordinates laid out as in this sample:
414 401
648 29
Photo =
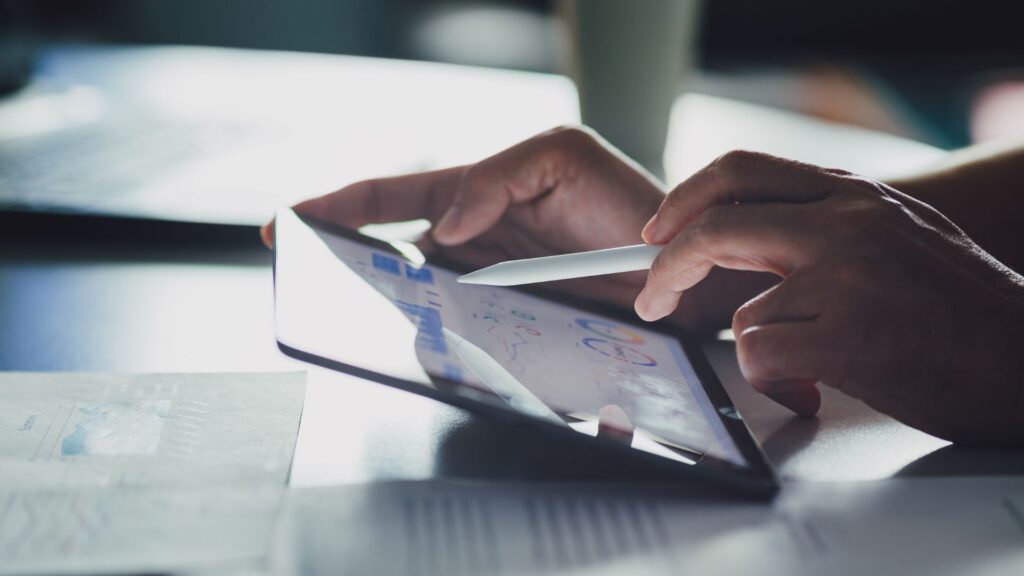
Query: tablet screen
364 305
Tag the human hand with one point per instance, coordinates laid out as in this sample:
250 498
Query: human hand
564 190
882 297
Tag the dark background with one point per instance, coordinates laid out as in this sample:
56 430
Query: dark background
929 57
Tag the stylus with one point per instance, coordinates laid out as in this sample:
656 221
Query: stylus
565 266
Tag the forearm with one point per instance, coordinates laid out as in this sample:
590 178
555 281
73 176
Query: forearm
981 189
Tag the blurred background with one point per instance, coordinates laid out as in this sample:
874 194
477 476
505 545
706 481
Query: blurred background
938 70
941 73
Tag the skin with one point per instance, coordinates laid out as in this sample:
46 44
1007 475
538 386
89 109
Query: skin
562 191
882 296
828 278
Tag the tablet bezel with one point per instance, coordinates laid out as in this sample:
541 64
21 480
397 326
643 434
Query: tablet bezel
757 480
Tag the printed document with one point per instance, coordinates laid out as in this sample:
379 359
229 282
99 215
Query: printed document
151 472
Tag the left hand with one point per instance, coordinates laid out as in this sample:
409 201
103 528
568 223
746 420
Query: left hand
565 190
882 297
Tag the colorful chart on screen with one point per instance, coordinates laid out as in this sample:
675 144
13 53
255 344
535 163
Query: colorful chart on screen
610 330
530 351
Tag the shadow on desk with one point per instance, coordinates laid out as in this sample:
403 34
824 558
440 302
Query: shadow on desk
484 449
967 461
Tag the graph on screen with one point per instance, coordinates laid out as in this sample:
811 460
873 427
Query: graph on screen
573 362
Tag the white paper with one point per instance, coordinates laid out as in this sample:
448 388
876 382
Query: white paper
129 473
132 530
926 526
61 430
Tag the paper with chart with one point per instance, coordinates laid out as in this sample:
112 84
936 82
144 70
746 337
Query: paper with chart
142 472
179 430
923 526
573 361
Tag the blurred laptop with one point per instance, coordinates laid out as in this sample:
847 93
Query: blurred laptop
227 135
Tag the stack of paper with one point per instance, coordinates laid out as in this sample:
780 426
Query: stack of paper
142 473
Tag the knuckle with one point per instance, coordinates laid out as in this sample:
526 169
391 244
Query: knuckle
656 275
666 274
864 207
571 136
838 172
566 146
744 317
709 224
737 159
476 186
674 195
866 191
469 181
674 202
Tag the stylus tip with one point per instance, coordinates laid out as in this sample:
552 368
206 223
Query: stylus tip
473 278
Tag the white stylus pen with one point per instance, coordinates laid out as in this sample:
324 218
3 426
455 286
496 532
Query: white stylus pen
564 266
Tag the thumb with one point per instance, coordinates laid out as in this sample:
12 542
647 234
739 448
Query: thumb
526 171
476 207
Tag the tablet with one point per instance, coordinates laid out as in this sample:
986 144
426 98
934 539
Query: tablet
358 305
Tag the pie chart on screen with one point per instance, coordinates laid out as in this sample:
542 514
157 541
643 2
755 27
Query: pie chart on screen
610 331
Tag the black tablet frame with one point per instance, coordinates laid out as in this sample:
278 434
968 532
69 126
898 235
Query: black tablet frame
758 480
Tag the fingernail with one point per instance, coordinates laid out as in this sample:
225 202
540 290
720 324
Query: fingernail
649 229
448 223
642 305
639 304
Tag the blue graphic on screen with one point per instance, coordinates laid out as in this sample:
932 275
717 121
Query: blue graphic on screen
421 275
387 264
452 372
428 326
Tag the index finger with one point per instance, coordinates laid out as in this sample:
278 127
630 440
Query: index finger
395 199
762 238
409 197
739 177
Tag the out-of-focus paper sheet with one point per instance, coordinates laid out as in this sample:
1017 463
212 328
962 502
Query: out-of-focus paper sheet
905 526
159 472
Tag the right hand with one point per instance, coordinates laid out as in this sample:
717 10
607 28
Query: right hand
883 297
565 190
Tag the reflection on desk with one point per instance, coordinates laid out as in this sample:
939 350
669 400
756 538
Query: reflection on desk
920 526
